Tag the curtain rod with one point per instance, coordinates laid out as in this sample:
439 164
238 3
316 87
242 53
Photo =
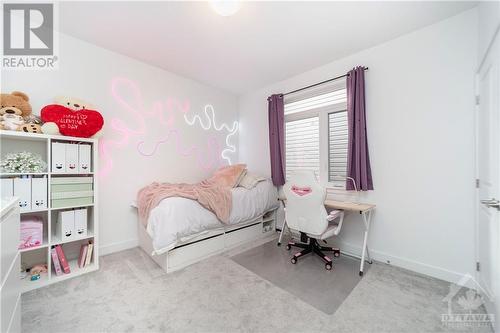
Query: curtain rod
319 83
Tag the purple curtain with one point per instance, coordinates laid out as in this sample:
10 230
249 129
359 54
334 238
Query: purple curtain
276 113
358 159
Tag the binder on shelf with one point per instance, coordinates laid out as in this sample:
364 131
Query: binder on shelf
80 222
62 259
90 248
65 225
84 158
58 157
71 157
38 193
55 261
22 189
82 258
7 187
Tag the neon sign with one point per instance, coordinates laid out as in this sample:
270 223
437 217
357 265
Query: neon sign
164 113
212 124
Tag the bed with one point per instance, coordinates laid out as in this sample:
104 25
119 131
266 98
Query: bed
197 233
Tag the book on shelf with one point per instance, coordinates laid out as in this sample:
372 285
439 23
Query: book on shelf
62 259
89 253
82 258
55 261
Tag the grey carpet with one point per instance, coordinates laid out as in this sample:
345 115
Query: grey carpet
131 294
308 279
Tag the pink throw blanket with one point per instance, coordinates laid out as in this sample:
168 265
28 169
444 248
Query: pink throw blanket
209 194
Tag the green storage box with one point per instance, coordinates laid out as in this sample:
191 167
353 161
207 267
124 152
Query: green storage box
71 180
71 187
71 192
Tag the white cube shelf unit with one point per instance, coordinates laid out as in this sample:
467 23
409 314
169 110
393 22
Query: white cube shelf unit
41 144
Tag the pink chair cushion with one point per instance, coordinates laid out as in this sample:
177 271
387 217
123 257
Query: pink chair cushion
301 190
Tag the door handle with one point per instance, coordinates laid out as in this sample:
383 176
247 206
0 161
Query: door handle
492 203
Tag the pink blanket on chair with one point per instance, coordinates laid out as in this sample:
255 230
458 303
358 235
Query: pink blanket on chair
211 195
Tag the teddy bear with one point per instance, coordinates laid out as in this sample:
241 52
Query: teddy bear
33 124
15 113
71 117
13 108
11 122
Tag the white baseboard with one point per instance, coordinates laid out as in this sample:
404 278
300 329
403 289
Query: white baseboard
118 246
426 269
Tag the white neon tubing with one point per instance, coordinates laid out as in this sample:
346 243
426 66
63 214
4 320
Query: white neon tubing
210 123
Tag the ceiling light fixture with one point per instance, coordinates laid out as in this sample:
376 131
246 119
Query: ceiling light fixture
225 8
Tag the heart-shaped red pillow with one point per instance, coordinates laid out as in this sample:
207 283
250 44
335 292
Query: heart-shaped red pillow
81 123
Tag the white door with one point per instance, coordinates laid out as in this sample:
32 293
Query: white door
488 170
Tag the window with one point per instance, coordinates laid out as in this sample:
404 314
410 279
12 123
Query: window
337 148
316 133
302 145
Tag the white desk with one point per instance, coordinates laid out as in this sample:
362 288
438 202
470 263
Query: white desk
365 210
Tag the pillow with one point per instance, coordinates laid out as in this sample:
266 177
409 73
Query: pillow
243 174
249 180
230 175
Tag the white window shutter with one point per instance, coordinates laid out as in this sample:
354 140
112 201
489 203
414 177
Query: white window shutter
337 148
306 147
302 145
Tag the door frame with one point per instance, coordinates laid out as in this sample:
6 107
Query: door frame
489 59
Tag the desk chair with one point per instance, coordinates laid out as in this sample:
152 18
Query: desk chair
305 213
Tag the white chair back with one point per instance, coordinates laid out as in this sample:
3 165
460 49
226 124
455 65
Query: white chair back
305 198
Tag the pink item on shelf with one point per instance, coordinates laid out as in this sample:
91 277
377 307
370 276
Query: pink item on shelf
55 261
62 259
31 232
83 255
90 247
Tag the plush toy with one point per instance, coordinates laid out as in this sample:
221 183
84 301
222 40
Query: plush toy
39 268
30 128
33 124
13 108
11 122
33 119
71 117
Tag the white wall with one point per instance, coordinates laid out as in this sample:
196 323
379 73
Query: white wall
420 100
489 23
87 71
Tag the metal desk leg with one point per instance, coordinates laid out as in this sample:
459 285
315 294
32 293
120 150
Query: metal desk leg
282 231
367 216
369 258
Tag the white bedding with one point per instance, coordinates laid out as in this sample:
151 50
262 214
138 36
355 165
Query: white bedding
177 219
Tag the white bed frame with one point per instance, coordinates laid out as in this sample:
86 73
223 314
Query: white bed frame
213 242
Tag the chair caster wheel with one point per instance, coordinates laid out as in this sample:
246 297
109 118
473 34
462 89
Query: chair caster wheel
288 247
279 244
328 266
293 260
336 253
360 273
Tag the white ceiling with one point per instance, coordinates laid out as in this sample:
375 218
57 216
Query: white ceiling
263 43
